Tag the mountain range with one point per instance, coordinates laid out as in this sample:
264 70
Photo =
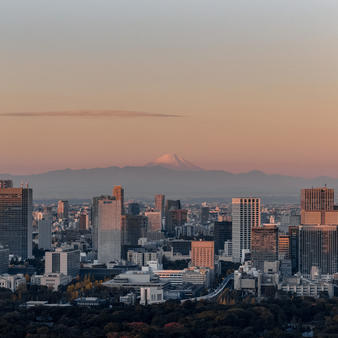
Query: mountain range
171 175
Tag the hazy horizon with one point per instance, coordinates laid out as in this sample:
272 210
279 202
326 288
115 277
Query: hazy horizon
228 85
146 164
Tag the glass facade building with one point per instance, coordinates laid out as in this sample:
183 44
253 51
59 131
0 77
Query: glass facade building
318 246
264 245
16 220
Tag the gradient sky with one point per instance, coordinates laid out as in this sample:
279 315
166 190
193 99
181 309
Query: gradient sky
234 85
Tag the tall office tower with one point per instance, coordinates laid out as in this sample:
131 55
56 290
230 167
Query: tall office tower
246 214
317 199
95 220
283 246
4 257
62 261
63 209
133 209
264 245
118 193
171 205
6 184
317 206
133 228
318 246
16 206
222 233
204 215
175 218
202 254
154 221
83 221
45 232
109 229
159 203
294 248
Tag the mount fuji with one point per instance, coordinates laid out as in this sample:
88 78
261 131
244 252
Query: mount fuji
173 161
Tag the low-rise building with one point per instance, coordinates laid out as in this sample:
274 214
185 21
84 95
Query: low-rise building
12 282
192 275
306 287
51 280
174 277
259 283
141 257
65 261
133 280
89 301
197 276
151 295
128 299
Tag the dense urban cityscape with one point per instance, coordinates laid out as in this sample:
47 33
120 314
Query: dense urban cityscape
113 252
168 169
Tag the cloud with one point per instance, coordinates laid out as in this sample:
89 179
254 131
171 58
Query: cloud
89 113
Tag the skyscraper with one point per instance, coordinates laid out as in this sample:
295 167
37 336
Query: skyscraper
175 218
317 199
294 248
172 218
16 220
154 221
63 209
204 214
202 254
133 227
45 232
317 206
133 209
172 205
318 246
264 245
118 193
222 233
159 203
95 220
83 221
110 210
283 246
246 214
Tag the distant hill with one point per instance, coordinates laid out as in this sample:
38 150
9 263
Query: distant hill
144 182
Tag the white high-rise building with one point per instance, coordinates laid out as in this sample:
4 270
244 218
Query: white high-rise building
246 214
110 210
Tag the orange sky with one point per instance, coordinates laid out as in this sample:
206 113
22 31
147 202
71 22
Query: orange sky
254 83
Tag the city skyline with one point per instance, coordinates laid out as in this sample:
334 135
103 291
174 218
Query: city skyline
234 86
168 168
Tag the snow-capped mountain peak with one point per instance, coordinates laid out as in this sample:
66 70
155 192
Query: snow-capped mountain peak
173 161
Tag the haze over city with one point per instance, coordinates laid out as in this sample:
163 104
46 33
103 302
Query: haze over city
228 85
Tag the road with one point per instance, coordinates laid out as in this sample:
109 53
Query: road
215 293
